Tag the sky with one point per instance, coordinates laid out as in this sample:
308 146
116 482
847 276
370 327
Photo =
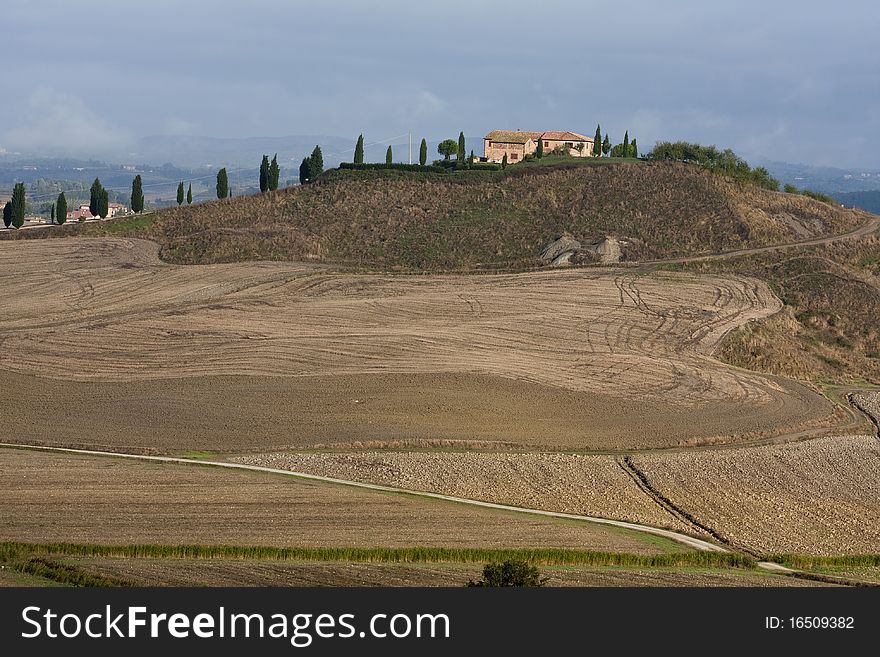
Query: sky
787 81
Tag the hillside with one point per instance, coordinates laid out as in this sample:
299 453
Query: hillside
418 221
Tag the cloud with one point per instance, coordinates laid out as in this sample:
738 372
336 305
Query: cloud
61 123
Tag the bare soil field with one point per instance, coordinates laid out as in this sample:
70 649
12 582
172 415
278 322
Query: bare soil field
174 572
57 498
589 485
818 497
618 360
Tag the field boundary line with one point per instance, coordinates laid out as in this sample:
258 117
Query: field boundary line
690 541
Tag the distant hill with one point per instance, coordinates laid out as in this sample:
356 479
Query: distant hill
829 180
869 201
482 219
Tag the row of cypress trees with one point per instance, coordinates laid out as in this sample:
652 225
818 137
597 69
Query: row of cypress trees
605 149
446 148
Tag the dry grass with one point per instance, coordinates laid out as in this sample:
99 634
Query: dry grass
503 358
51 498
433 222
168 572
817 497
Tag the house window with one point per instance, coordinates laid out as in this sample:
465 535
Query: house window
546 144
568 144
514 156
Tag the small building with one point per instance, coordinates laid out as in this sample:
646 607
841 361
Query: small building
517 144
83 212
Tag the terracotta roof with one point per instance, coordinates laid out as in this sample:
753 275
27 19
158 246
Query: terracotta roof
522 136
564 136
511 136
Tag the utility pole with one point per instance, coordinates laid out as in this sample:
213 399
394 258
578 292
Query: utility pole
410 146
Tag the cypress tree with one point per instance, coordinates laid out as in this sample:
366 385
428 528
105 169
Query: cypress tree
423 153
625 151
94 196
180 194
264 174
7 214
104 203
359 151
274 173
61 209
597 142
634 149
388 157
316 163
222 183
461 152
606 146
471 159
539 152
304 171
189 194
18 205
52 217
137 194
504 161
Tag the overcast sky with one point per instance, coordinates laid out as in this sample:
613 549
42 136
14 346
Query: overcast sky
792 81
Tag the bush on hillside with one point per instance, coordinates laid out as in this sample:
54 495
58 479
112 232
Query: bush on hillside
509 573
725 162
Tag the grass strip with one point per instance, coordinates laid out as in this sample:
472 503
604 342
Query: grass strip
66 574
549 557
806 562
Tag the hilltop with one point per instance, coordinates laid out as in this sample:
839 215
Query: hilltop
400 220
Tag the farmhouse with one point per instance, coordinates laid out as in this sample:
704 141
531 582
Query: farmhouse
516 144
83 212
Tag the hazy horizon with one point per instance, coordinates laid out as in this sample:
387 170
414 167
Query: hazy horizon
796 86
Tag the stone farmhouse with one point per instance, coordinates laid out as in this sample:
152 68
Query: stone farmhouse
516 144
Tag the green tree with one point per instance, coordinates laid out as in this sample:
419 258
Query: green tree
461 146
423 153
625 150
52 216
264 174
103 203
359 150
389 158
606 146
180 193
19 203
316 163
7 214
509 573
539 152
61 209
447 147
305 171
274 173
634 149
94 196
597 142
504 161
790 189
471 159
189 194
137 194
222 183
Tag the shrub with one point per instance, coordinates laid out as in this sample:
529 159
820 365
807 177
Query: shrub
725 162
399 166
509 573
